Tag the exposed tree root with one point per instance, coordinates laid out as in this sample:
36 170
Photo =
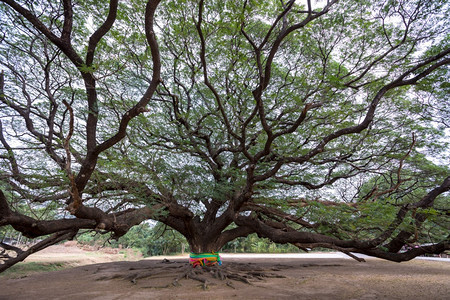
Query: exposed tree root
233 272
206 275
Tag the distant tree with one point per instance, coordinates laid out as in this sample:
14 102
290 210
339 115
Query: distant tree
319 124
148 239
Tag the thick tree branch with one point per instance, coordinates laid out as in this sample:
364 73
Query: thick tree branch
101 31
74 193
54 239
156 78
68 21
91 160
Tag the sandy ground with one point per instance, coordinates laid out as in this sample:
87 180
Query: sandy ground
306 277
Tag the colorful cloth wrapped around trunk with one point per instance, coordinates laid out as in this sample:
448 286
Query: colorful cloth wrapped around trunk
204 259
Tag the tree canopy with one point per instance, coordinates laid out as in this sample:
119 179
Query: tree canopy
319 124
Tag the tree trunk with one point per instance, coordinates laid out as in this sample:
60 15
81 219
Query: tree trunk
198 245
207 237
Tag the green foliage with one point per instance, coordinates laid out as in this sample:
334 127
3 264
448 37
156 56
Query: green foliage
254 244
88 69
150 240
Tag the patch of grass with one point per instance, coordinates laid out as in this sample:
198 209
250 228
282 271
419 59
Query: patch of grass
25 269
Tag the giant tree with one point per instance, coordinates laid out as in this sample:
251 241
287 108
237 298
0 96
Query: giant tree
316 124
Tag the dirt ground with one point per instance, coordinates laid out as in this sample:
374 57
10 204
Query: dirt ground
305 278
